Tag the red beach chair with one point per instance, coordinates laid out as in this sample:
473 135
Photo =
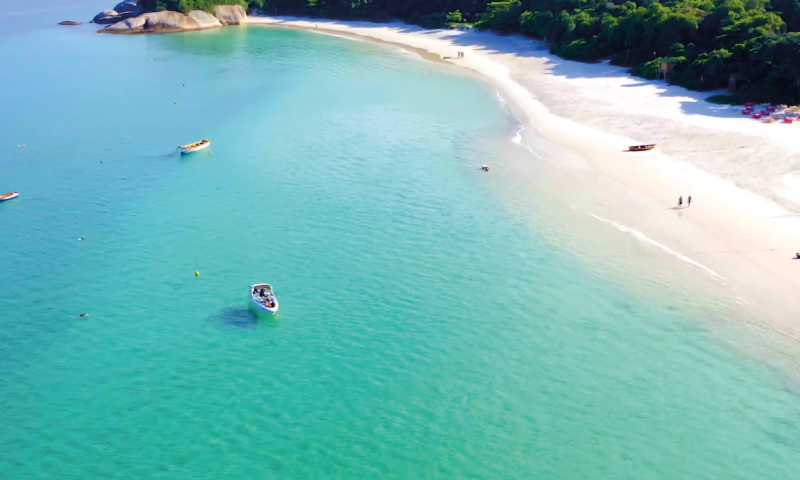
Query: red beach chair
756 115
747 111
749 104
787 120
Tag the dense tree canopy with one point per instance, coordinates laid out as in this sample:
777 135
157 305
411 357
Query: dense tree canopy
755 42
186 6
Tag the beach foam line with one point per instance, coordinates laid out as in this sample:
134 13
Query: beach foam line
518 140
644 238
518 135
334 35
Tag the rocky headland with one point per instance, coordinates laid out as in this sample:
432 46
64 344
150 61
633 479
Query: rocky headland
128 18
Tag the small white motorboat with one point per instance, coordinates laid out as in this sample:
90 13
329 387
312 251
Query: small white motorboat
263 298
9 196
194 147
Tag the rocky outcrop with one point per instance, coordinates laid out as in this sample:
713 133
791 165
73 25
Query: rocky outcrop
69 22
124 19
126 6
164 22
205 19
111 16
230 14
108 16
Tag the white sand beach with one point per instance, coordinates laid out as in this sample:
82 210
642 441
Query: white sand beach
743 174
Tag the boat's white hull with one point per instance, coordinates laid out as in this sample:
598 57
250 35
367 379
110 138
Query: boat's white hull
185 151
259 305
259 302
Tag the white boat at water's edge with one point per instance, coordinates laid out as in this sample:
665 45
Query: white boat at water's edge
194 147
263 298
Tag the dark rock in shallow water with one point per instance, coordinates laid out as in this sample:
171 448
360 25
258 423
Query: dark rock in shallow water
126 6
105 16
69 22
110 16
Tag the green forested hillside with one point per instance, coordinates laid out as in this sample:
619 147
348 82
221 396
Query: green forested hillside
757 42
186 6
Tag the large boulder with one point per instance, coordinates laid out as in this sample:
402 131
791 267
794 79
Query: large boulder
108 16
111 16
126 6
161 22
230 14
205 19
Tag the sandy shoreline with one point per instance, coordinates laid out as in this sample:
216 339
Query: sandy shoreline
743 175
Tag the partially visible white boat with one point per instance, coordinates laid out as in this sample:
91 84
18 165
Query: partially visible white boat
9 196
263 298
194 147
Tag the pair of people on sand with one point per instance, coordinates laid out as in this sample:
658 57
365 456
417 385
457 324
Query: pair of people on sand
688 201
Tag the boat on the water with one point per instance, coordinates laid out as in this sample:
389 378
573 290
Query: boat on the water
9 196
263 298
194 147
641 148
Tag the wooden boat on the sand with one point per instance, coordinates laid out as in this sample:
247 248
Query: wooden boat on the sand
194 147
9 196
641 148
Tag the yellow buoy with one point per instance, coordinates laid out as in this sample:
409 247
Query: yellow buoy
196 273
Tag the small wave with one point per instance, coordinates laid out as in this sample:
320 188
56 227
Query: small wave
741 301
644 238
328 33
518 140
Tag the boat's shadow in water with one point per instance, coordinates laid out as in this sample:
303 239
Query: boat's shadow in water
239 317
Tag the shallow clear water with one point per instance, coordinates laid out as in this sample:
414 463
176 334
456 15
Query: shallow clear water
434 321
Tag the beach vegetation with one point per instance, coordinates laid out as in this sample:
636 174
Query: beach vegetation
454 17
751 47
723 100
186 6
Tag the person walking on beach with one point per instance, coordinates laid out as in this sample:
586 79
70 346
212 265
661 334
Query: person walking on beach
680 201
689 201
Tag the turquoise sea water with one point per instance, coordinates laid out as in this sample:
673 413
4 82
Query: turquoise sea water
434 321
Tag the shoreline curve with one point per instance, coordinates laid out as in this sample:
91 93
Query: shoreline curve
601 110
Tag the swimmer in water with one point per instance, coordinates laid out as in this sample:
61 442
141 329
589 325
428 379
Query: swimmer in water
81 238
82 315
